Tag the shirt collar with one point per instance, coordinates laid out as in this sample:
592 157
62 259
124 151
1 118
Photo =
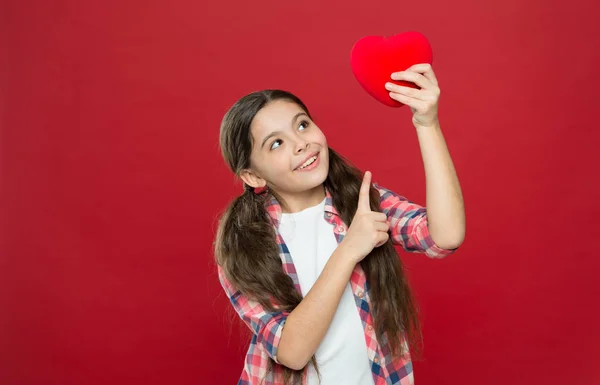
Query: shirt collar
274 208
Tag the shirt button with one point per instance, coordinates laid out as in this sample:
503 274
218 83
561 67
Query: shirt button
360 294
376 360
370 327
328 214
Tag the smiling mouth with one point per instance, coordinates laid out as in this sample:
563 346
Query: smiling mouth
308 162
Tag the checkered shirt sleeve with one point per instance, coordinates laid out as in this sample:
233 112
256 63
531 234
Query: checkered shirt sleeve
408 223
266 326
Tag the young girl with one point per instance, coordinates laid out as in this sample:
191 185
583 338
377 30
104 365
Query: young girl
306 254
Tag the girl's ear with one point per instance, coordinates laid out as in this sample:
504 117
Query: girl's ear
251 179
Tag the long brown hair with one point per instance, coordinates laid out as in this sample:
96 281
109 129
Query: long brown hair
246 249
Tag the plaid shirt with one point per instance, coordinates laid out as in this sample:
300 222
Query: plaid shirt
408 223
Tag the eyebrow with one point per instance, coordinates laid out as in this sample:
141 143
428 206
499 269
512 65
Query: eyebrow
299 114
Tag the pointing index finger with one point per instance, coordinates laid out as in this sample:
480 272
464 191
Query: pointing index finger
363 196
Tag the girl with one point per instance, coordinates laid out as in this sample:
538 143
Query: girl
306 254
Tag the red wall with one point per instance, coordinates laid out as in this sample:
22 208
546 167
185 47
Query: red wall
111 180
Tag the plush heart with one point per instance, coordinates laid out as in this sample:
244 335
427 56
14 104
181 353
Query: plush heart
374 58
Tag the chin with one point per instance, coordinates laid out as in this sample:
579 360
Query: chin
320 178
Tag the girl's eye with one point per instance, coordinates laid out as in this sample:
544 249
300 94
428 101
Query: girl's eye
274 146
303 125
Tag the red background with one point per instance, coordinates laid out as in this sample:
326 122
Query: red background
111 179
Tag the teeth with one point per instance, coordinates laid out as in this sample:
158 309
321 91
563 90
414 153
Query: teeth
308 162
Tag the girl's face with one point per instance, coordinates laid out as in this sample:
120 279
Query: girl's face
289 153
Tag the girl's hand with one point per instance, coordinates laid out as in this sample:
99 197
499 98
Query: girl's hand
422 102
369 229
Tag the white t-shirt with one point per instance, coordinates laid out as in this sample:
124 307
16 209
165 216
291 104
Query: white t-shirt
342 355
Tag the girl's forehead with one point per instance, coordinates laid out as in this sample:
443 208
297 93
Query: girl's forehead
276 115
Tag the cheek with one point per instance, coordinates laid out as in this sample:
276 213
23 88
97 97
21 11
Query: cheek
326 158
279 164
321 139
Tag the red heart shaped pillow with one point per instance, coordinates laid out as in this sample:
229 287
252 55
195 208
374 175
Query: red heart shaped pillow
374 58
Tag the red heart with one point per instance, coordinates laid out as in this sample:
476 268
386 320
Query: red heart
375 58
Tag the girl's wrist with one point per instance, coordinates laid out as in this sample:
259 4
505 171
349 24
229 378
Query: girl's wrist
346 256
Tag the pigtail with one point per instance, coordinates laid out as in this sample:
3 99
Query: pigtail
247 251
394 308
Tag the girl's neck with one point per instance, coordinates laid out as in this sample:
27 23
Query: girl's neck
293 203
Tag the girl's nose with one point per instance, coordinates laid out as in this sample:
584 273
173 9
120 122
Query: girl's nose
301 146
